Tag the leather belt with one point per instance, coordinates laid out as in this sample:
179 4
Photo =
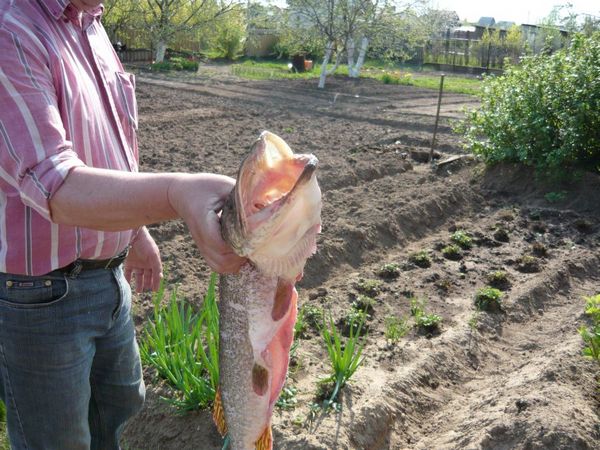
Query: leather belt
80 265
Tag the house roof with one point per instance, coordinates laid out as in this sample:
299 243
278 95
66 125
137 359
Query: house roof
486 22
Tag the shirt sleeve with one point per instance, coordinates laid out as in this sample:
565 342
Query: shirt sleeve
35 155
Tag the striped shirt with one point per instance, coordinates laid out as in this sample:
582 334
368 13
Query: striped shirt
65 102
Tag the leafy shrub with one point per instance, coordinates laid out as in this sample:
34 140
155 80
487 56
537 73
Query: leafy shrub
498 279
544 113
428 323
365 303
452 252
389 271
420 259
488 299
395 328
462 239
528 264
308 316
369 287
354 322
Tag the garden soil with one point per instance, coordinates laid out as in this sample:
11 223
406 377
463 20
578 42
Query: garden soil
511 379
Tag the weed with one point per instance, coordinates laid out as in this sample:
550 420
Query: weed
528 264
443 285
417 306
591 336
539 250
462 239
309 316
389 271
452 252
287 399
184 347
396 328
354 321
474 320
592 307
555 197
488 299
345 357
501 235
288 130
365 303
498 279
372 288
420 259
428 323
583 226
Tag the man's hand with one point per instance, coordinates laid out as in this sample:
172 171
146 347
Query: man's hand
198 199
143 263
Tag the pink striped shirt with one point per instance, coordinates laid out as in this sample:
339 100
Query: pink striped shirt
65 102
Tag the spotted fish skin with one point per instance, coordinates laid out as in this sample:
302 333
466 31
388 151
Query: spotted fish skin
254 351
272 217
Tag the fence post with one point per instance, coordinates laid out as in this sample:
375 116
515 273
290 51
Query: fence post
437 118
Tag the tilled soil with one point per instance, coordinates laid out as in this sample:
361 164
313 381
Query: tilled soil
510 379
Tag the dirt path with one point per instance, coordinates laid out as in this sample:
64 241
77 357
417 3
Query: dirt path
510 380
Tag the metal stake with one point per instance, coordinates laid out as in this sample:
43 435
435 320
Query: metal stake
437 118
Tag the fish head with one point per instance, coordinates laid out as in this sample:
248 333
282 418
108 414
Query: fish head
273 214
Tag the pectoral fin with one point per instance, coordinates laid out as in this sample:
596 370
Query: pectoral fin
265 441
219 414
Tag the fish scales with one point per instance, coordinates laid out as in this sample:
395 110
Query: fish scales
272 217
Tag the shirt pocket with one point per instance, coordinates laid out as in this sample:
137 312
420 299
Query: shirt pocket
126 88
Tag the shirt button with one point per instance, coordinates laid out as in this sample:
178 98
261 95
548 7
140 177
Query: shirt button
9 284
48 283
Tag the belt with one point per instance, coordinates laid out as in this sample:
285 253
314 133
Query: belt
80 265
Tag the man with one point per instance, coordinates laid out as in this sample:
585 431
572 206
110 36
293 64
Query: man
71 204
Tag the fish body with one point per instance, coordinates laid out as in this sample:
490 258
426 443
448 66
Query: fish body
272 217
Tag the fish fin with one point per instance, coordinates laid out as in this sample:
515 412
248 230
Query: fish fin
219 414
265 441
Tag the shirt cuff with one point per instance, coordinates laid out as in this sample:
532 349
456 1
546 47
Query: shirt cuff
41 182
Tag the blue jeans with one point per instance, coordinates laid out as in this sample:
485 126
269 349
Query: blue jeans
70 371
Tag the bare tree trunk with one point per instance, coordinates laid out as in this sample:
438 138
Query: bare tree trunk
354 69
361 56
326 57
161 48
350 52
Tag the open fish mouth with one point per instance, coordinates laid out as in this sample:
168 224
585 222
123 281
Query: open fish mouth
277 206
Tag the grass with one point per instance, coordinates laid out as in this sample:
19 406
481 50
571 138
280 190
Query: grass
345 357
3 433
184 348
386 73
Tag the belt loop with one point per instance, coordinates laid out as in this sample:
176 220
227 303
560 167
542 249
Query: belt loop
77 266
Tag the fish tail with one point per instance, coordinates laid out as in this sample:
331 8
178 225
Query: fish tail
219 414
265 441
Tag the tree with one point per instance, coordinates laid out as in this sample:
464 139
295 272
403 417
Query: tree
166 18
348 26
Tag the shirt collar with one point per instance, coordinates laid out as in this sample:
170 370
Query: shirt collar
63 8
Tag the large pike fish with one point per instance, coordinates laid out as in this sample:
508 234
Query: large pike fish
272 217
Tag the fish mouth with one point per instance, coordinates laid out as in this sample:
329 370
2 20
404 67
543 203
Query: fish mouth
269 179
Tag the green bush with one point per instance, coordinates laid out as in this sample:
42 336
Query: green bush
544 113
175 63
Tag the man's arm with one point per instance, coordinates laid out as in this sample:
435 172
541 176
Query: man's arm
113 200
